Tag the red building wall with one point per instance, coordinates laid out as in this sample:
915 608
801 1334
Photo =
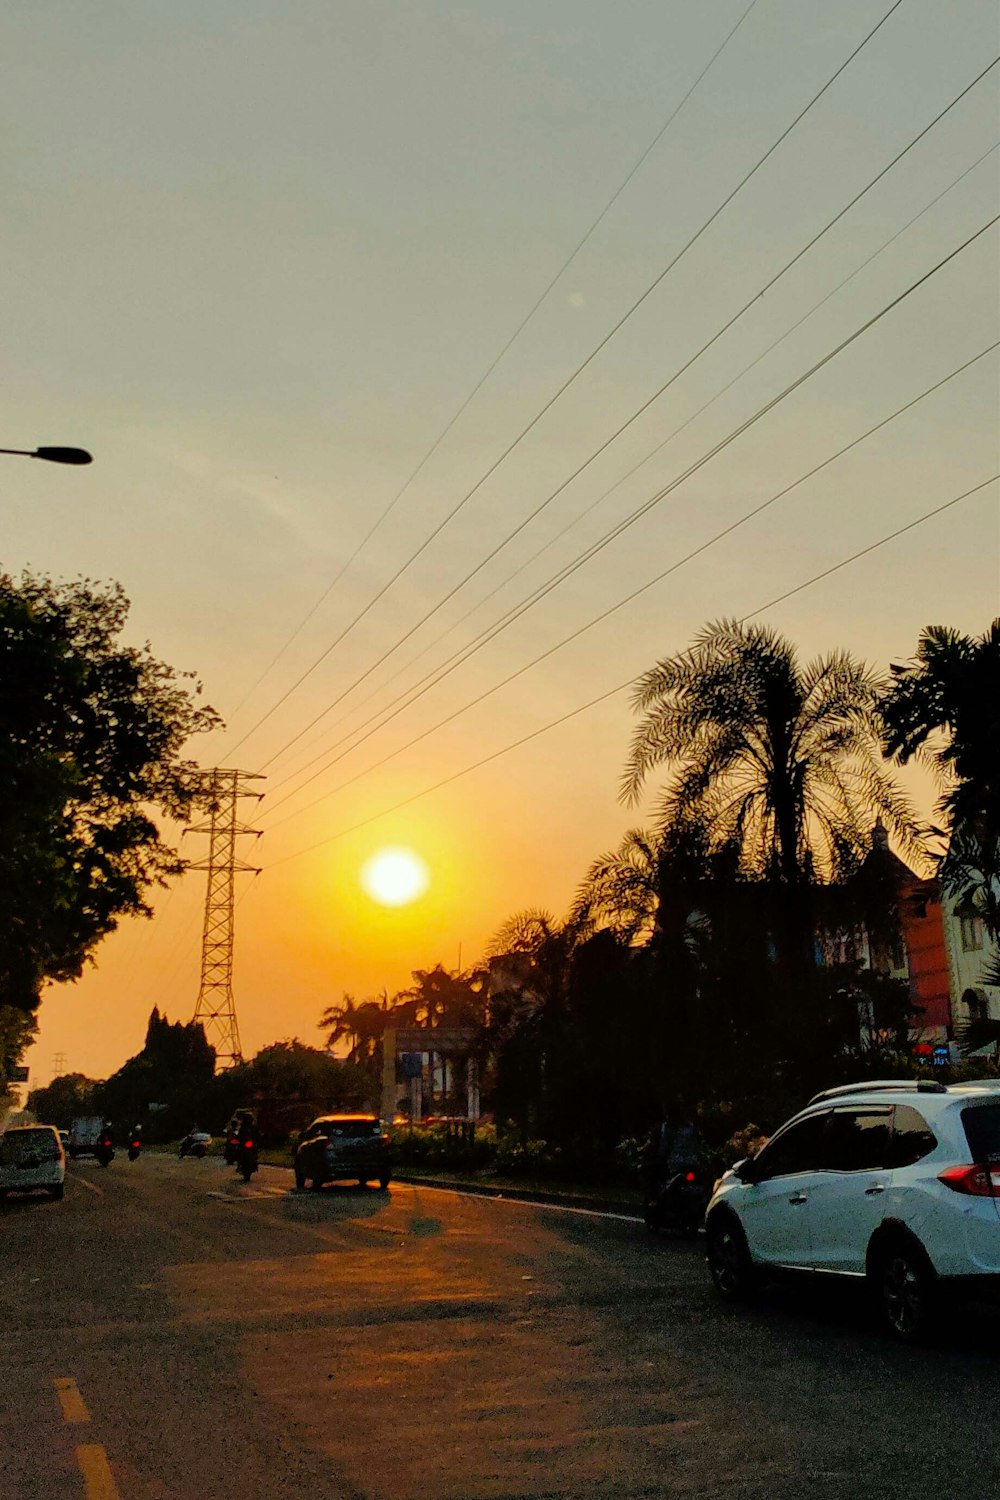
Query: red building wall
922 921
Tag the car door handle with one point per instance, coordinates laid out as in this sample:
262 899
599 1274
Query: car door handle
878 1187
799 1198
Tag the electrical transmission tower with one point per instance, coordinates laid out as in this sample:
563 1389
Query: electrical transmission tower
59 1068
216 1008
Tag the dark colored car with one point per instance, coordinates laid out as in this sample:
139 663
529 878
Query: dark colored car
338 1147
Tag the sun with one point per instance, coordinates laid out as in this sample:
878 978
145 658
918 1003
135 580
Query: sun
394 877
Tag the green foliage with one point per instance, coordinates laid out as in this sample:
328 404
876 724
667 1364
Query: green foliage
65 1099
780 760
944 705
503 1153
91 735
287 1084
174 1069
17 1029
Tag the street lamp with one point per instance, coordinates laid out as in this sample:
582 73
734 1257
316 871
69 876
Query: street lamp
54 455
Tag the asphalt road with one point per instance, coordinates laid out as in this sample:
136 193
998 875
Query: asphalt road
172 1335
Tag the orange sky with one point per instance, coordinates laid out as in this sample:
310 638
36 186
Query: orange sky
262 257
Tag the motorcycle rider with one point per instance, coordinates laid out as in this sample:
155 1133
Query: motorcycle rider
672 1151
246 1148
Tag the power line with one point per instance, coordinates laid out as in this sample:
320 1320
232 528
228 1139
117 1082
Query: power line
629 598
522 325
538 509
638 413
623 686
436 674
554 398
659 495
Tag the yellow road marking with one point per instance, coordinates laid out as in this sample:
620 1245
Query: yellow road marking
98 1482
85 1182
73 1408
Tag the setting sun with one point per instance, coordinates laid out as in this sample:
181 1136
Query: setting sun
394 877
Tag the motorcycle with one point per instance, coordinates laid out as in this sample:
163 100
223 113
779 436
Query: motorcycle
196 1143
134 1147
679 1203
246 1158
104 1151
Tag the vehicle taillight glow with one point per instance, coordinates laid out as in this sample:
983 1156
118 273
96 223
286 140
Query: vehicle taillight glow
974 1180
689 1177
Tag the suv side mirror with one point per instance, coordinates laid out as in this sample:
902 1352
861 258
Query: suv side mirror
747 1171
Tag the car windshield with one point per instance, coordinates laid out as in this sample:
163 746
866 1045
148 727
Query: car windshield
982 1129
19 1145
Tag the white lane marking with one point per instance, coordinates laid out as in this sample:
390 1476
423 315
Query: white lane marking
91 1186
559 1208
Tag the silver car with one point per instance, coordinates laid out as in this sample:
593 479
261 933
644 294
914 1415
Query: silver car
335 1147
32 1157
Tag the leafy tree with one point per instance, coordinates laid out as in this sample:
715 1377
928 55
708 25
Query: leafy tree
91 739
441 998
287 1084
340 1022
175 1069
780 760
65 1099
944 706
621 889
17 1029
529 966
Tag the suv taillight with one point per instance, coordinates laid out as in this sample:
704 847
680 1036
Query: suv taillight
974 1180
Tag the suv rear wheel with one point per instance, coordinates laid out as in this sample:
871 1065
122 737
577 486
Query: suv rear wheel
729 1258
904 1285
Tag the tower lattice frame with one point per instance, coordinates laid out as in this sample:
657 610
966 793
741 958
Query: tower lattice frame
216 1007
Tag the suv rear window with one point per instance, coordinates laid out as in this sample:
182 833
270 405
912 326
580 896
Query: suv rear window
17 1145
339 1130
982 1131
354 1129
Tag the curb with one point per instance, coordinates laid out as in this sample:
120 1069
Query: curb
525 1195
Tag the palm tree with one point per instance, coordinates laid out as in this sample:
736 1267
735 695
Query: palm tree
779 761
944 706
529 967
621 889
343 1023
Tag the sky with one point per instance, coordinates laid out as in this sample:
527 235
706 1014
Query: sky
258 259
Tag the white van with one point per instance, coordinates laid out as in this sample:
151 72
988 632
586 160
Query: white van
32 1156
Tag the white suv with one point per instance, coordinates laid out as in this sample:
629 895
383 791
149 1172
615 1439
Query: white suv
896 1182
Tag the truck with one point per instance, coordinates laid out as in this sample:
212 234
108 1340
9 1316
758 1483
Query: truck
84 1133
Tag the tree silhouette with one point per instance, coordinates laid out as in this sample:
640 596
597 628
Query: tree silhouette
781 760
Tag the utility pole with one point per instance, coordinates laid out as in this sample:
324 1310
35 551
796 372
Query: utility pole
215 1007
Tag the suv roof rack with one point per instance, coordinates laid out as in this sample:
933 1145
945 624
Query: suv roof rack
882 1085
